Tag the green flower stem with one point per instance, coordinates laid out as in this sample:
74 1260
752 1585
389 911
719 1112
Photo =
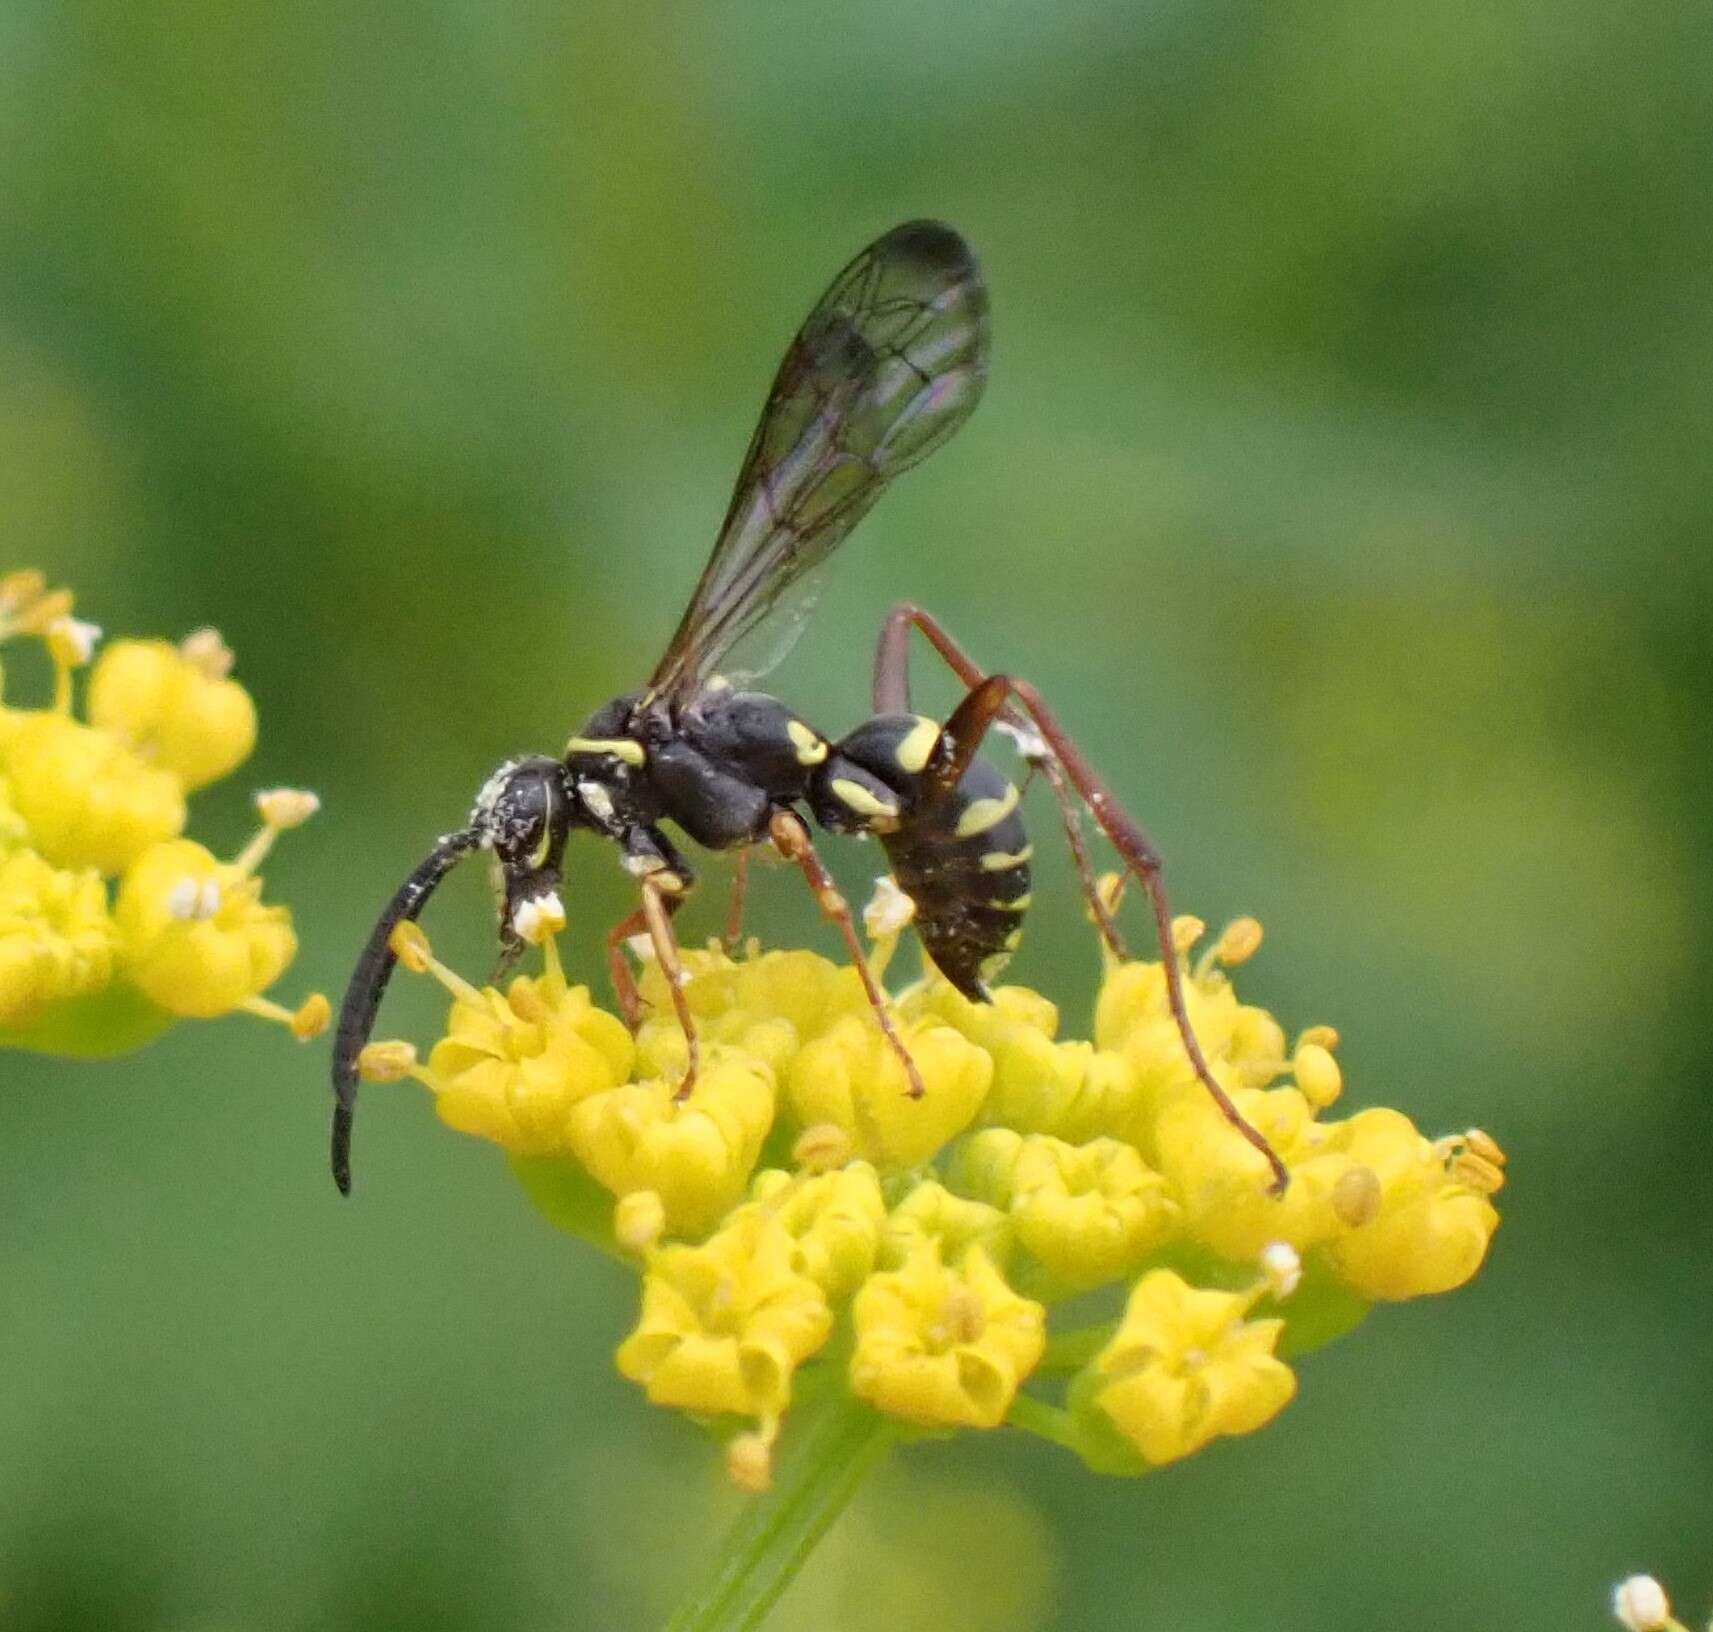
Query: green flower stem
1071 1351
1042 1420
777 1532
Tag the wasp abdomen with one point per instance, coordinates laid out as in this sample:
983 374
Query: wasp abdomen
962 856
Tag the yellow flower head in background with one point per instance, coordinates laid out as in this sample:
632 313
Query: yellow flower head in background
112 925
1058 1235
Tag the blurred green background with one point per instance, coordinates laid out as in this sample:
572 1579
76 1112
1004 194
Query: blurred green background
1343 474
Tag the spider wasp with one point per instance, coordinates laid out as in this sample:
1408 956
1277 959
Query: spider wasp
888 364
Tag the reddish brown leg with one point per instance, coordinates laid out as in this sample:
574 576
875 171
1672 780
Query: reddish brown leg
657 909
618 969
791 839
734 907
963 734
892 696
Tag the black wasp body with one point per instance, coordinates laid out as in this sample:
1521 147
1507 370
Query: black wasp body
724 765
888 364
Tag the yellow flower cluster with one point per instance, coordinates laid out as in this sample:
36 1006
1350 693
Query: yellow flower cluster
112 925
798 1212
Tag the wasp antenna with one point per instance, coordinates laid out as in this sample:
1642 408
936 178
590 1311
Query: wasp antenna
369 982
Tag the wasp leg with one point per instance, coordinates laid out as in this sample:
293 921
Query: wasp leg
734 907
892 696
659 902
618 969
962 736
791 839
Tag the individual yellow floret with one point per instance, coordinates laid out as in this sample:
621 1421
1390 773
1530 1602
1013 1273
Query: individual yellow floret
1088 1213
944 1347
1221 1180
56 939
852 1077
194 933
724 1325
1242 1043
953 1223
834 1219
696 1153
512 1066
175 706
86 798
1429 1219
1184 1367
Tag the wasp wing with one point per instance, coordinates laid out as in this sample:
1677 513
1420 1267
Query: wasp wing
888 364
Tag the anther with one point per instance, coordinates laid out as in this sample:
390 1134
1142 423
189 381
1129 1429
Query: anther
207 651
410 946
1356 1196
1186 931
749 1462
889 909
1239 941
639 1220
71 641
1640 1605
286 808
539 918
1281 1268
390 1060
312 1017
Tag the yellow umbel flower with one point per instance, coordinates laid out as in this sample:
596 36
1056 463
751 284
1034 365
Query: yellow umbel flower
944 1347
724 1325
197 937
56 940
188 935
86 798
513 1065
1186 1366
1429 1212
932 1233
174 706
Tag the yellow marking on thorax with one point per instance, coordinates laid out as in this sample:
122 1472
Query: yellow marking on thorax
621 748
981 814
1002 861
811 750
912 753
1021 904
856 797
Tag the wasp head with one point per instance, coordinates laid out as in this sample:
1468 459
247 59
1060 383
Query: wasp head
522 815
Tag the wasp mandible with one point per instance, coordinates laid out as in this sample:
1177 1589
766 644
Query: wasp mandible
888 364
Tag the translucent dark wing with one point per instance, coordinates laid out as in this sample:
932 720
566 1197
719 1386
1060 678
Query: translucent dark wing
889 363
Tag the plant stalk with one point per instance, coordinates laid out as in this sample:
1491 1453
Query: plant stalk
776 1533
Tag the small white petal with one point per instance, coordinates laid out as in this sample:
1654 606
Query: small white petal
208 902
